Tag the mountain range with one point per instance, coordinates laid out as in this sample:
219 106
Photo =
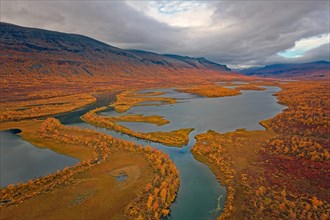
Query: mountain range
39 61
311 70
36 59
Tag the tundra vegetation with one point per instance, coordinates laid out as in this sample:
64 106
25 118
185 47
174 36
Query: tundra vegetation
171 138
154 188
280 173
46 106
130 98
210 91
152 119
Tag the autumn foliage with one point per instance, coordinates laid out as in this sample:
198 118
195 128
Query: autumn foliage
152 119
171 138
210 147
281 173
43 106
165 181
210 91
159 194
303 128
129 98
308 111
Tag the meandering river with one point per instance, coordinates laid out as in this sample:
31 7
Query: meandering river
200 195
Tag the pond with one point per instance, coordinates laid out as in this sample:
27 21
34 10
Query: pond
21 161
200 195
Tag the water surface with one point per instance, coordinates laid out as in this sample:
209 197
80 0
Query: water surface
21 161
200 193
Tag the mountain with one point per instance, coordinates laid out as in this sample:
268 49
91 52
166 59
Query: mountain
35 59
314 70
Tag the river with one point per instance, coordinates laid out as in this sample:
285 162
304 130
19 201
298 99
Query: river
200 195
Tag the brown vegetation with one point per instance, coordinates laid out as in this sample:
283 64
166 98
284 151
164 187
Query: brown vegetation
129 98
171 138
92 194
76 64
281 173
261 185
103 146
308 111
152 119
210 91
14 111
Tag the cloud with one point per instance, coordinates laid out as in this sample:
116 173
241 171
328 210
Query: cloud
238 33
304 45
316 54
176 13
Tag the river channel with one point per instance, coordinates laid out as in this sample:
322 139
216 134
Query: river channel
200 195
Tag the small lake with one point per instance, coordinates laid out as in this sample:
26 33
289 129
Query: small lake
200 194
21 161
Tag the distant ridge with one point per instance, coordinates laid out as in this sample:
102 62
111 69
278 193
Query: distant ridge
318 69
50 59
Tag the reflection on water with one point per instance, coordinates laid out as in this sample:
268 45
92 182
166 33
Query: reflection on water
21 161
220 114
200 195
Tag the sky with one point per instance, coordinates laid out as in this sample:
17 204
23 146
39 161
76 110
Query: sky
238 33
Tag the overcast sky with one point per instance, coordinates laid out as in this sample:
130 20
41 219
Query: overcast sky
236 33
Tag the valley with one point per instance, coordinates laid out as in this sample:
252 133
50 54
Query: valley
92 131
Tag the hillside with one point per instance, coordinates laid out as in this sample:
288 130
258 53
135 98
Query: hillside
39 60
314 70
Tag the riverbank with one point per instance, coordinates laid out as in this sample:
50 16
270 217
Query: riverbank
152 119
129 98
278 173
176 138
42 107
93 194
208 111
210 91
147 176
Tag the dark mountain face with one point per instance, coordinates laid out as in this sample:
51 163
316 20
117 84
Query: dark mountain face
31 40
47 59
319 69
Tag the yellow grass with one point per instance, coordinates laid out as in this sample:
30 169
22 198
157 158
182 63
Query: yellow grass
241 162
175 138
129 98
210 91
89 190
233 155
152 119
94 194
14 111
30 133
